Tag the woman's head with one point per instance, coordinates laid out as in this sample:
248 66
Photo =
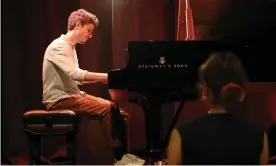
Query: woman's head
222 78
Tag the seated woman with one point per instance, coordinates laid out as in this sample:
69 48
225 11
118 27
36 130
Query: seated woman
220 137
271 134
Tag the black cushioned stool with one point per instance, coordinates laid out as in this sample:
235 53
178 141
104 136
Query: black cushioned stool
38 123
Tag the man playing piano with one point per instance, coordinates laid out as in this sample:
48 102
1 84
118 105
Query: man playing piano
62 75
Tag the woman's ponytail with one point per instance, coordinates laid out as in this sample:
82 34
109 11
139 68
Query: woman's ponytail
232 96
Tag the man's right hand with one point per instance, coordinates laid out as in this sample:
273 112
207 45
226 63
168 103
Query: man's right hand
98 77
104 81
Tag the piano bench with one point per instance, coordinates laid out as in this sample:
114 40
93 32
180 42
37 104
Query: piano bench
38 123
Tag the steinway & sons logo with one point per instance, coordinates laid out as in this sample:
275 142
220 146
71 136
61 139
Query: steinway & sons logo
162 64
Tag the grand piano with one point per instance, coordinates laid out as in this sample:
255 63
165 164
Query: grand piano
166 71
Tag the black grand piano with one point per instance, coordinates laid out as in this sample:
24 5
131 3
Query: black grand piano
163 71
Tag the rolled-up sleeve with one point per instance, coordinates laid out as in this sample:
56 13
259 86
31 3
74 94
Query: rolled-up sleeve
62 56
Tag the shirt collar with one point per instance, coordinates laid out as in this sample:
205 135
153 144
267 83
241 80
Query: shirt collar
68 41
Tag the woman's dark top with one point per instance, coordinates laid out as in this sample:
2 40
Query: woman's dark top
220 139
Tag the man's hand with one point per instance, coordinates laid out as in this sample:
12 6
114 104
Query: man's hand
105 81
98 77
89 82
94 82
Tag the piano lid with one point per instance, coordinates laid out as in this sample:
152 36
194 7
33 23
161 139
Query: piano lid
162 65
187 56
146 55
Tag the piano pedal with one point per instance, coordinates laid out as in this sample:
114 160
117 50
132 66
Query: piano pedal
161 162
157 161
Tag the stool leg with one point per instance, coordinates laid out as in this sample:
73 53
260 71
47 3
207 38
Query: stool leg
70 142
34 149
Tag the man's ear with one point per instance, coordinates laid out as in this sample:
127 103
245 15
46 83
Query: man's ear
78 25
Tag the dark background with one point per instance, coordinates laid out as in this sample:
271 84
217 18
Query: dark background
29 26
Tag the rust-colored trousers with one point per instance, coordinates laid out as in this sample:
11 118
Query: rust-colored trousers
97 108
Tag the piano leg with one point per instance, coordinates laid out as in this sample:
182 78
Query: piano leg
153 127
155 140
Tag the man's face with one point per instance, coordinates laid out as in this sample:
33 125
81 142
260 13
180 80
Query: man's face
84 32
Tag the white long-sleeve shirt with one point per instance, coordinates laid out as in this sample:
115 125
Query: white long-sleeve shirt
61 73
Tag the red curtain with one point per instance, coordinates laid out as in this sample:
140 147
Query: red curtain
31 25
